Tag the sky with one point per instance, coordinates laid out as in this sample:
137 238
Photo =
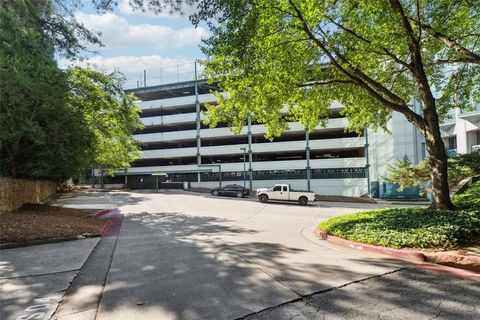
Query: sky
165 44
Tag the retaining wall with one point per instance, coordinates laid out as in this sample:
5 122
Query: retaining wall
16 192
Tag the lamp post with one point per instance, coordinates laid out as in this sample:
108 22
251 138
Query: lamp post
244 167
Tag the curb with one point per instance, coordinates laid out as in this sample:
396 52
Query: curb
48 241
400 253
471 275
92 276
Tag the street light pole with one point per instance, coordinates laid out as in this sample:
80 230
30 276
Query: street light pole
244 167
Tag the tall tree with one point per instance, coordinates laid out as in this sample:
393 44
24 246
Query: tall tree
40 135
110 114
374 57
54 124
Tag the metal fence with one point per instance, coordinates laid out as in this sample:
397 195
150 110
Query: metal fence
165 75
300 174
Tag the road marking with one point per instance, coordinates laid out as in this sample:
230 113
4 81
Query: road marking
41 305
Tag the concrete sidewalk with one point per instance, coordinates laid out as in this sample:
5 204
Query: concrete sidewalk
33 279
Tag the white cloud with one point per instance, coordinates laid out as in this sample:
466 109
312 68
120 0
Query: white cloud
117 33
159 69
183 10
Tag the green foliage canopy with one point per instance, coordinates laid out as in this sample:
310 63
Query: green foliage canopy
407 175
111 116
41 135
55 124
304 55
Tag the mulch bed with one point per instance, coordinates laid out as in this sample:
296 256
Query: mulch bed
41 222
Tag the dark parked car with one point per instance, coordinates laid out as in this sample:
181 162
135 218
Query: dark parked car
233 190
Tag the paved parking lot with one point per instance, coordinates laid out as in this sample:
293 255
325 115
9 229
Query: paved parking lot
184 255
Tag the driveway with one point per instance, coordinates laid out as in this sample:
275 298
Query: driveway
183 255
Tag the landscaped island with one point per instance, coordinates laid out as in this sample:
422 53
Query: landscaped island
413 227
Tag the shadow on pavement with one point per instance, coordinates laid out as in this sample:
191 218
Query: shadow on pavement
172 265
97 200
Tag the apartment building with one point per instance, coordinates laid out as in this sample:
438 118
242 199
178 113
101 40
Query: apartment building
461 131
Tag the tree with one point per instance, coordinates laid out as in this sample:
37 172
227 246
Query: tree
55 19
55 124
374 57
408 175
110 114
41 135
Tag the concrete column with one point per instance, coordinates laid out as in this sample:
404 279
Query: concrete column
307 154
367 162
250 171
197 109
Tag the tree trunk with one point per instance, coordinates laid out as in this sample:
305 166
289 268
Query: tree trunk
438 164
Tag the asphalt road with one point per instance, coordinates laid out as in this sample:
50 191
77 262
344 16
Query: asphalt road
183 255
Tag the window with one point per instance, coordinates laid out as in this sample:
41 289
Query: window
277 188
424 151
229 186
284 188
452 142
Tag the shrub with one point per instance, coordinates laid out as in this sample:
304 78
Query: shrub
407 227
470 198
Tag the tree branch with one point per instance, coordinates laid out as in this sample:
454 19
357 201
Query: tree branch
322 83
471 56
401 107
385 50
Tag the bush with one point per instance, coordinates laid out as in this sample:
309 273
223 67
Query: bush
470 198
407 227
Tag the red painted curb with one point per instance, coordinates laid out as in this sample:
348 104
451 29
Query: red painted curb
101 213
114 221
112 227
471 275
399 253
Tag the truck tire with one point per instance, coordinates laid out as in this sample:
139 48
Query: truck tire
303 201
263 198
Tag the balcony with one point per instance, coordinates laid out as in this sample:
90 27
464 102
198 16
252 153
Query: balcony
449 120
470 115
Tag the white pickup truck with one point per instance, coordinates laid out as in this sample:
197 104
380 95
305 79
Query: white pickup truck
283 192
